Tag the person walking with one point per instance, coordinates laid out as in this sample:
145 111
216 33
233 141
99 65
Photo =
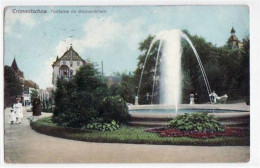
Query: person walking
18 110
36 106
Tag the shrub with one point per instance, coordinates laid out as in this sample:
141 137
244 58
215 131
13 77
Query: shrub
95 125
114 108
196 122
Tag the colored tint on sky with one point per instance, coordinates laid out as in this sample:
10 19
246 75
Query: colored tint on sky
111 36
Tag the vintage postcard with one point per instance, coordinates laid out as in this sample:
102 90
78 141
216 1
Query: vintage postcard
127 84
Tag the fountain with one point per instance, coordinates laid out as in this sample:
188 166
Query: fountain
170 87
170 78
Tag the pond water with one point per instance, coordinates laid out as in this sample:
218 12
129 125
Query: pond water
182 111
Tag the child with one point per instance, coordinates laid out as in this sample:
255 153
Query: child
12 116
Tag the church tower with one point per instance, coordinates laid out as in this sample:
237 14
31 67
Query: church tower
233 41
14 66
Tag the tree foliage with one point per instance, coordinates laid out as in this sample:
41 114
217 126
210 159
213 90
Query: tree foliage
77 101
114 108
148 72
12 86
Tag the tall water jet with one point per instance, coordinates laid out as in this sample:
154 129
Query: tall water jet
200 63
170 66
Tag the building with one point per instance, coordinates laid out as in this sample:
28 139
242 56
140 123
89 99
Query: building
233 41
28 87
112 80
46 94
66 66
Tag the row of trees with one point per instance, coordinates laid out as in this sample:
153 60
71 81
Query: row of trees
227 70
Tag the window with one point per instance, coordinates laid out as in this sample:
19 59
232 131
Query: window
78 63
71 72
64 62
64 71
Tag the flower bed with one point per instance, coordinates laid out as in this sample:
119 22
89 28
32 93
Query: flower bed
228 131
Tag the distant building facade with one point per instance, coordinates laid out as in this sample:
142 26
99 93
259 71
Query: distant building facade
112 80
66 66
233 41
29 86
44 95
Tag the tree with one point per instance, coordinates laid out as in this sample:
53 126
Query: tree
78 101
90 86
195 82
66 112
127 91
148 72
244 73
12 86
126 88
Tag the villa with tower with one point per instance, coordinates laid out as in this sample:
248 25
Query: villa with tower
66 66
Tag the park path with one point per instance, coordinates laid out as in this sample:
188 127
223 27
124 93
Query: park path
23 145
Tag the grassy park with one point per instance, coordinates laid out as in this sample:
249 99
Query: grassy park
128 134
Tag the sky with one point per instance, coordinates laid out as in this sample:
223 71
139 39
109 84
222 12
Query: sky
110 33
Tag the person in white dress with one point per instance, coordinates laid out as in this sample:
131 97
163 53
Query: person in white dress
18 110
192 99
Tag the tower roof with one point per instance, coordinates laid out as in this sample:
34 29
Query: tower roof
232 31
14 65
233 37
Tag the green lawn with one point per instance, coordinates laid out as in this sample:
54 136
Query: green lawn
128 134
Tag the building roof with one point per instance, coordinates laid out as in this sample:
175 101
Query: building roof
14 65
31 84
67 56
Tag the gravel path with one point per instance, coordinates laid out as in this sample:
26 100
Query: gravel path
23 145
